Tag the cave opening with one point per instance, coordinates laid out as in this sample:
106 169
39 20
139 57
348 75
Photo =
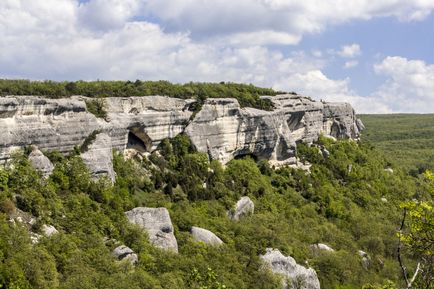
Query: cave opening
139 140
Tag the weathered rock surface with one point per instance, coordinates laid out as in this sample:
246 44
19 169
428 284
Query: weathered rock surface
321 247
49 230
41 163
99 158
243 207
156 221
366 259
222 128
205 236
123 252
299 276
225 130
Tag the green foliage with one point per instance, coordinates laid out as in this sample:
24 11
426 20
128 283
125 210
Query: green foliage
293 209
247 95
405 139
97 107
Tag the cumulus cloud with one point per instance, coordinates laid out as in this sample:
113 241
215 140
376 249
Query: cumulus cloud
350 51
409 86
316 84
189 40
226 17
351 64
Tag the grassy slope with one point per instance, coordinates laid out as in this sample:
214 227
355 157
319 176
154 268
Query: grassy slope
406 139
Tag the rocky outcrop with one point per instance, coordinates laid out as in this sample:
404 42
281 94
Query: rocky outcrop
41 163
123 252
294 275
99 158
243 207
225 130
157 223
221 127
205 236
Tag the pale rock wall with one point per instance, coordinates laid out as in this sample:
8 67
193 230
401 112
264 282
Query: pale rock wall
225 130
221 127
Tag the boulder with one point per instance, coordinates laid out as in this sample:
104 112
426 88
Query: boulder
321 247
366 259
243 207
157 223
49 230
294 275
123 252
205 236
99 159
41 163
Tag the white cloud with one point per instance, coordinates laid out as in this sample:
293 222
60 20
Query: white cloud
410 84
351 64
226 17
317 85
107 14
350 51
197 41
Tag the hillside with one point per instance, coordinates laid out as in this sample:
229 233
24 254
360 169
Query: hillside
406 139
345 209
146 192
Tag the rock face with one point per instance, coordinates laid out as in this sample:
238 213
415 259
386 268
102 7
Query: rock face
125 253
225 130
221 128
41 163
295 276
99 158
205 236
243 207
156 221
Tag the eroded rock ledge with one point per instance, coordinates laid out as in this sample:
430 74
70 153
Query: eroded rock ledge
221 127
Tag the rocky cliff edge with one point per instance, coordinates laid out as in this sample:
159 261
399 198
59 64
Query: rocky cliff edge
220 127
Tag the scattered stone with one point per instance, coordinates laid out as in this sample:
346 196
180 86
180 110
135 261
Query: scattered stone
366 259
41 163
49 230
156 221
205 236
123 252
243 207
384 200
389 170
321 247
34 238
297 275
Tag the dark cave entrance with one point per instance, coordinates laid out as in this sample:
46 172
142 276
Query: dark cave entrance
139 140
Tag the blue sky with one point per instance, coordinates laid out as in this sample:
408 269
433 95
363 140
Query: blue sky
377 55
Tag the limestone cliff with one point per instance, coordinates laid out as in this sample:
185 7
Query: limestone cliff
221 127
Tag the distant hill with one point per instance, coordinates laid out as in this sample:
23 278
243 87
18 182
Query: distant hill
406 139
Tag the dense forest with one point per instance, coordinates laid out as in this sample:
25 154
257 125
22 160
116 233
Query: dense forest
408 139
247 95
351 200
